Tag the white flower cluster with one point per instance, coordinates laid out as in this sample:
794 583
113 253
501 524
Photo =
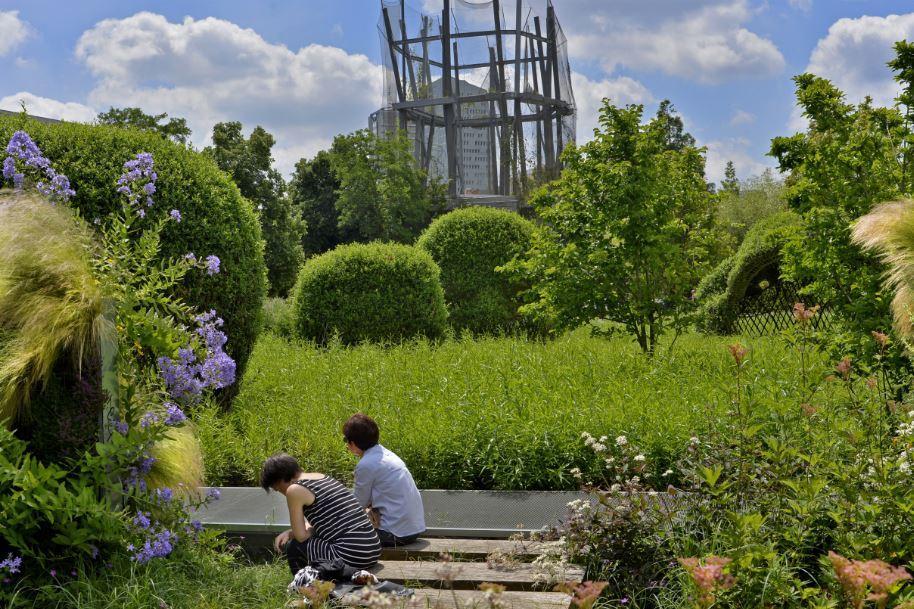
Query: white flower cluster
906 429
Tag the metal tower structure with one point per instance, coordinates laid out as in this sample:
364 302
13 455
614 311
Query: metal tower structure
486 101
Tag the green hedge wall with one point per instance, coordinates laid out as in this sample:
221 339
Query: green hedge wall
375 292
721 291
468 244
216 219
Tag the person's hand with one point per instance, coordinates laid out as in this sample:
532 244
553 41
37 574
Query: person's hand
374 516
281 540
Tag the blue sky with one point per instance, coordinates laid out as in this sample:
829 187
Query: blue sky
308 69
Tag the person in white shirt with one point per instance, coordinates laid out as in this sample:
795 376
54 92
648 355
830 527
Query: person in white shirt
383 485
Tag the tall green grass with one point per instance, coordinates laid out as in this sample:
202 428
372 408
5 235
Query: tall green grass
504 413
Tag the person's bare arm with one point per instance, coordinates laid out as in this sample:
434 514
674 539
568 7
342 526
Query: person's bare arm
297 497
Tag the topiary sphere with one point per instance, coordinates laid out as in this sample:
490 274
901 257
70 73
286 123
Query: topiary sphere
370 292
216 219
468 244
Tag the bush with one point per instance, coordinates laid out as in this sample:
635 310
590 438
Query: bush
760 249
468 244
279 316
216 220
370 292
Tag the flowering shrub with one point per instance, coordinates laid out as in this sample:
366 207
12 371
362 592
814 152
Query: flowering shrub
100 503
748 515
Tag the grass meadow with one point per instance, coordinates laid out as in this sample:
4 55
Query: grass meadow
483 413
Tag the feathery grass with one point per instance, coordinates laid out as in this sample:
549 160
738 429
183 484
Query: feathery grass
50 302
889 231
179 460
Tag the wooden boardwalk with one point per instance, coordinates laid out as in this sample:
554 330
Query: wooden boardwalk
455 582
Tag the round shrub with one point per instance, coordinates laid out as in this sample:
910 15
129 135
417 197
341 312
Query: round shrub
216 219
468 244
370 292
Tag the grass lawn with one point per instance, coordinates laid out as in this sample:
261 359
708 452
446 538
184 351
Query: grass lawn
504 413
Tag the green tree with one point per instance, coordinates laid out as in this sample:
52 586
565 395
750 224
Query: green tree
742 203
382 192
846 162
313 190
730 183
249 161
175 129
626 232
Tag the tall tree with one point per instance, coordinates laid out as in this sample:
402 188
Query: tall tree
313 190
675 137
625 231
846 162
382 192
175 129
250 163
730 183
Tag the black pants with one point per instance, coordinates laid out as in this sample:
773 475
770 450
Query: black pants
389 540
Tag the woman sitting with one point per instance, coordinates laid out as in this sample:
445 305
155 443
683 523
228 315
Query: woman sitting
327 521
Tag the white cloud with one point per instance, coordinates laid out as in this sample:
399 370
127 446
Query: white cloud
705 42
212 70
741 117
589 94
854 53
48 108
13 31
736 150
803 5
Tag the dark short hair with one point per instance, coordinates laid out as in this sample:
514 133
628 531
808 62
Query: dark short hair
278 468
362 431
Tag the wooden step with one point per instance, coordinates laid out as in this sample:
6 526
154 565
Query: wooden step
468 575
425 598
466 549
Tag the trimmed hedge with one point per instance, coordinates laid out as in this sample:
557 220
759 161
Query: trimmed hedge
468 244
721 291
370 292
216 219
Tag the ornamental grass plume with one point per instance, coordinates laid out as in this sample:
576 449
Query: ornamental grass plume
888 230
50 302
178 461
867 580
709 575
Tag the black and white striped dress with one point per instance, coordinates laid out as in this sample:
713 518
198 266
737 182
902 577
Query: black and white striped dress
341 527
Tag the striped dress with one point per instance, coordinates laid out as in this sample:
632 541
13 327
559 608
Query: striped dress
341 527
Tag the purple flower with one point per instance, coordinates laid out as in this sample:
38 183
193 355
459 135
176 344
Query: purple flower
175 215
157 546
23 148
212 265
53 573
94 551
164 494
141 520
138 181
11 564
190 257
150 418
121 427
145 465
214 494
174 415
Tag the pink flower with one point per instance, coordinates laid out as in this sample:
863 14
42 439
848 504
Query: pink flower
709 575
738 352
858 576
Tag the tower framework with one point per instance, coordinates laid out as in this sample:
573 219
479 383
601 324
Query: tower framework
484 98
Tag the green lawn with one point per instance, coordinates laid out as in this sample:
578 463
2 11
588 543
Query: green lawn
502 413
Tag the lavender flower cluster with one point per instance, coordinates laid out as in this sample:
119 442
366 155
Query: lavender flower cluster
23 148
187 377
11 564
211 263
138 181
158 545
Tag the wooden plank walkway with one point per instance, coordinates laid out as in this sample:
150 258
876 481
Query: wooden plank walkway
465 575
465 549
425 598
454 583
